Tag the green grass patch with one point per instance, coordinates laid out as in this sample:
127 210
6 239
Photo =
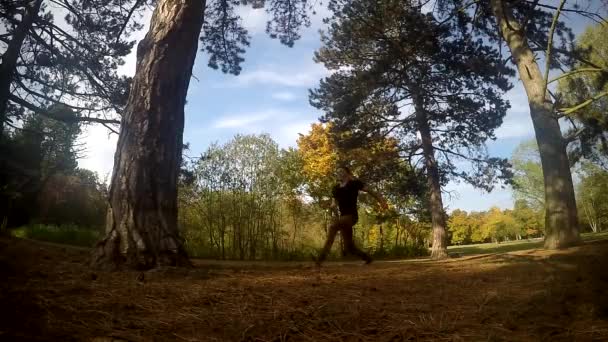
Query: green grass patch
64 234
513 246
594 236
488 248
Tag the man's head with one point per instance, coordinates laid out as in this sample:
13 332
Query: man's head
344 173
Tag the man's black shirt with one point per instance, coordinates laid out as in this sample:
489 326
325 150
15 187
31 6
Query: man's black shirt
346 196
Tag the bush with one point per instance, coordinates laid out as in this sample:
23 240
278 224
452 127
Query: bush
407 251
64 234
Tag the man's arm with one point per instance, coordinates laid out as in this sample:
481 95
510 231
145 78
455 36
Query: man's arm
334 207
377 196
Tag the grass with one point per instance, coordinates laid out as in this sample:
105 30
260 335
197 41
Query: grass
513 246
86 237
64 234
50 293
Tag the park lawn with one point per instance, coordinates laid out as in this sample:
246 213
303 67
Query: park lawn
512 246
49 293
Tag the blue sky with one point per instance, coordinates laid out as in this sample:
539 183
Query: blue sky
271 96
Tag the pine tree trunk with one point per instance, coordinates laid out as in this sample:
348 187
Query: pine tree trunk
439 247
141 227
561 221
11 55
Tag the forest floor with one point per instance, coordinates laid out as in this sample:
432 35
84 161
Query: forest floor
48 293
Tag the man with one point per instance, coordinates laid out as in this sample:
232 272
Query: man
345 195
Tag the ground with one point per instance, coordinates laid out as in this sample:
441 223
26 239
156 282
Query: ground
48 293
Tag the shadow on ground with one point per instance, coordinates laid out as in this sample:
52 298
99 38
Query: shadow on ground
49 294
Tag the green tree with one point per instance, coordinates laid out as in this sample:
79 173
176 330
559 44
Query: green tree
404 74
587 84
33 155
529 220
593 196
528 184
526 28
459 224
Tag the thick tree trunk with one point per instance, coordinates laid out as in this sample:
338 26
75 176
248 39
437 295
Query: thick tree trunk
141 228
11 55
439 247
561 222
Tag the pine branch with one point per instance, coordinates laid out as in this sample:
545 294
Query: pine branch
550 45
577 71
570 110
45 113
136 5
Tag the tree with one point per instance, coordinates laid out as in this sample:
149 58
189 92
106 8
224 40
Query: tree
403 74
72 64
528 183
320 159
141 231
529 220
593 196
460 227
72 198
585 87
41 149
527 27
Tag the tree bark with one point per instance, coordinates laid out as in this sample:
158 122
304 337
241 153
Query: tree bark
439 247
141 227
11 55
561 221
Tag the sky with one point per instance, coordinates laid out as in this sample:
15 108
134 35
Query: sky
271 96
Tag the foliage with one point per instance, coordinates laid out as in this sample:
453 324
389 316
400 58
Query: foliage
250 200
71 62
495 225
64 234
587 80
41 181
461 227
592 195
528 183
395 55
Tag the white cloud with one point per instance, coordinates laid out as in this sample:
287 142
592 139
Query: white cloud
283 126
99 150
274 77
517 123
243 120
515 126
288 134
254 20
284 96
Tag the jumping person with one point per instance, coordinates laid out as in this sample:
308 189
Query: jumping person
344 197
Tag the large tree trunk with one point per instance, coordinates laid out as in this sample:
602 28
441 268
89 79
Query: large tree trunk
561 222
11 55
439 248
141 228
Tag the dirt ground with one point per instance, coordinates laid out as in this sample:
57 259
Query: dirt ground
48 293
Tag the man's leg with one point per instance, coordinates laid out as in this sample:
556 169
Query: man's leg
347 235
331 236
